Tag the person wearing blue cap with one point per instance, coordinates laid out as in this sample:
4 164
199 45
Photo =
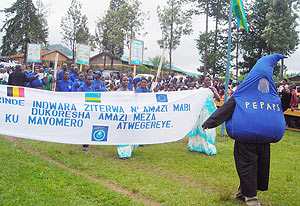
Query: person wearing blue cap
254 119
98 84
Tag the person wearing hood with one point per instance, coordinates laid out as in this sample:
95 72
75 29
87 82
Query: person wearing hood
254 119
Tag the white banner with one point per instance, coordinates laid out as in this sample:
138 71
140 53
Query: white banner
108 118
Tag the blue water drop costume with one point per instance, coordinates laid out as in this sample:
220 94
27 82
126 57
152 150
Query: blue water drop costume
254 118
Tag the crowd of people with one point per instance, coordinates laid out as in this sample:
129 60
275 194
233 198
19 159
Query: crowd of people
70 79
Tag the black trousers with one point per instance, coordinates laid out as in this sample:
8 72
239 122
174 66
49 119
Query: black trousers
252 163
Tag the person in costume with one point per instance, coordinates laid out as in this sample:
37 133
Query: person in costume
200 140
125 151
254 119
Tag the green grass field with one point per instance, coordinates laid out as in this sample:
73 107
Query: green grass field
166 173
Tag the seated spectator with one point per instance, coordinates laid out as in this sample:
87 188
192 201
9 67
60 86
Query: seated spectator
298 94
294 100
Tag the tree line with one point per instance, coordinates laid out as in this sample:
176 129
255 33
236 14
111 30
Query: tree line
272 28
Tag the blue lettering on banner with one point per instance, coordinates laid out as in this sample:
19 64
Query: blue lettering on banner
159 108
11 101
60 113
181 107
161 98
99 133
63 122
134 109
112 117
145 125
54 105
11 118
144 117
103 108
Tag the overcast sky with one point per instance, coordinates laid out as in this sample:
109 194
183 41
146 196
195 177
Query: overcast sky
185 57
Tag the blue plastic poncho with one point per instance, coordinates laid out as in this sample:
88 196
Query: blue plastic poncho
258 116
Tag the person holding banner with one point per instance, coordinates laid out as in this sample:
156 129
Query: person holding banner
39 82
143 88
86 87
18 78
204 140
125 151
65 85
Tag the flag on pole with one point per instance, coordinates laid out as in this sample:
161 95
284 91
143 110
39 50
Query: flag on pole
238 10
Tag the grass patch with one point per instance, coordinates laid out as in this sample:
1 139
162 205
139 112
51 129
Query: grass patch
166 173
26 179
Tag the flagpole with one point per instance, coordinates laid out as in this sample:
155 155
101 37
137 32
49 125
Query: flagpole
228 60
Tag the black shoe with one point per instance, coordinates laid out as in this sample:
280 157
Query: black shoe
85 147
240 196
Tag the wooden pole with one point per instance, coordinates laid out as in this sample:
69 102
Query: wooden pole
134 71
80 68
159 68
55 72
160 64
